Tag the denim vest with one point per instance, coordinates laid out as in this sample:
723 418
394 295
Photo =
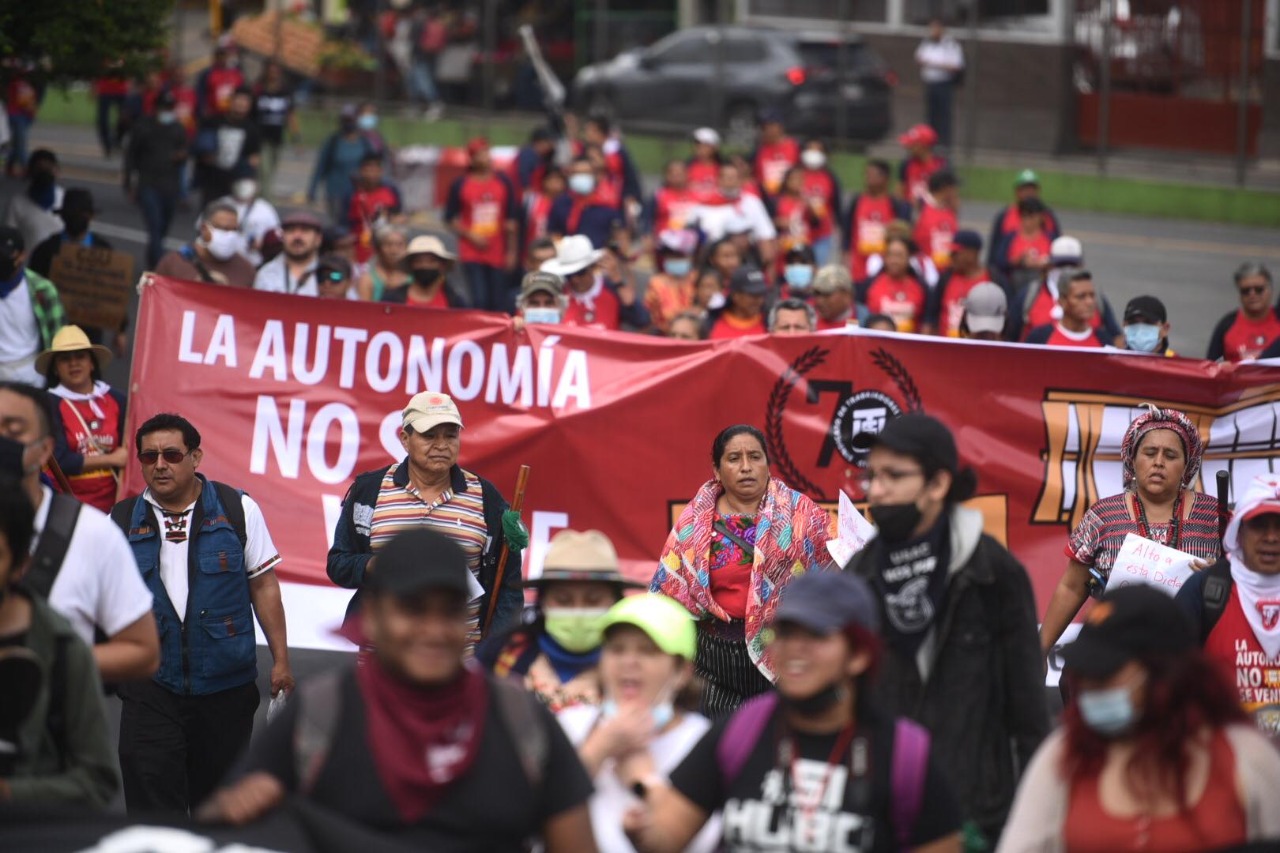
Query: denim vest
213 647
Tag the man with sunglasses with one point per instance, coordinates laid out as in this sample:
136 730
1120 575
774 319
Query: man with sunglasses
205 553
333 278
1245 334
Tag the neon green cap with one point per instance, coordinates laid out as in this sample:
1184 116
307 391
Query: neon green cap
664 621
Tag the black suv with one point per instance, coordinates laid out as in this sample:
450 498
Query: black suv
726 75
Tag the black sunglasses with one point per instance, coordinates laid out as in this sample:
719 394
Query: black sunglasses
173 457
1253 290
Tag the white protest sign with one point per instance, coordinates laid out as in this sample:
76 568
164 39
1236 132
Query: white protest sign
852 532
1142 561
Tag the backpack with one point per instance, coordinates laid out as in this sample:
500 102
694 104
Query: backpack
229 496
907 774
1215 593
55 539
321 703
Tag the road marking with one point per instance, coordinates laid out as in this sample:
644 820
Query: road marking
1136 241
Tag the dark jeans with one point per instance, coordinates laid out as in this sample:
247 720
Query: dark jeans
937 105
108 133
19 132
175 750
490 287
157 212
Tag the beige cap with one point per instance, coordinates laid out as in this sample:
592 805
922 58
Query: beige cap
539 281
831 278
429 244
581 556
430 409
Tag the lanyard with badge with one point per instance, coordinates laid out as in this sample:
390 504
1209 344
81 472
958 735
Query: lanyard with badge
806 807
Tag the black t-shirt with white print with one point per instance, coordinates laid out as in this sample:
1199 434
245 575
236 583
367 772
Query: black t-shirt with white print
816 806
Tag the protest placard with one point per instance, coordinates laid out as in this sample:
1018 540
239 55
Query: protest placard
852 531
94 284
1142 561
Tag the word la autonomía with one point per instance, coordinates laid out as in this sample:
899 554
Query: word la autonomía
386 362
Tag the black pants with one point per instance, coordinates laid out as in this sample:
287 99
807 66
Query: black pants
729 676
174 750
937 102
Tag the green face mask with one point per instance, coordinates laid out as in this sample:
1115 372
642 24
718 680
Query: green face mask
576 629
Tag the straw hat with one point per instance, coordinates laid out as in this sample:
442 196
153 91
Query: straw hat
71 339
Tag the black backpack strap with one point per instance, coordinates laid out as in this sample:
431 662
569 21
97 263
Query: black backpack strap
57 717
230 496
122 513
55 539
1215 594
516 708
723 530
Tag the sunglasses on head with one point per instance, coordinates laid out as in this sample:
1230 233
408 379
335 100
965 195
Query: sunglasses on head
173 457
1253 290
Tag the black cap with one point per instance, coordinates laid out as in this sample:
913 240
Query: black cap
334 263
1145 308
748 280
416 561
77 200
922 437
826 602
1128 622
967 240
10 241
800 253
166 100
942 180
1031 204
771 115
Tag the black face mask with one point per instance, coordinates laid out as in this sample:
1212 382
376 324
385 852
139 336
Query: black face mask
8 266
426 278
76 223
819 703
896 522
11 453
42 179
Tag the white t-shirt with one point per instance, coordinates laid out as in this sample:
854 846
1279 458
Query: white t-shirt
713 219
611 800
256 219
19 338
260 553
939 60
99 583
274 277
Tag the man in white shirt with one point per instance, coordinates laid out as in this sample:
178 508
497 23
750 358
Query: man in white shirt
205 553
733 209
95 584
32 210
294 269
941 62
257 216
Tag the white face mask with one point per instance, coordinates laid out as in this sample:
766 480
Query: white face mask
813 159
550 316
582 184
716 302
223 244
244 189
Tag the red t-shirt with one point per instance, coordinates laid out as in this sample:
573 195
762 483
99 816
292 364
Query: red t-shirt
703 179
727 326
902 299
1012 222
824 324
772 162
671 209
1256 677
96 488
111 86
1059 338
1041 313
958 287
820 189
220 85
366 208
871 216
935 230
798 224
916 174
21 98
484 205
1025 251
437 300
537 209
1248 338
603 314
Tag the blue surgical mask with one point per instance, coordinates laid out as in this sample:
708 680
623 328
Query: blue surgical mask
582 184
799 276
550 316
677 267
1109 712
1142 337
662 713
368 121
166 116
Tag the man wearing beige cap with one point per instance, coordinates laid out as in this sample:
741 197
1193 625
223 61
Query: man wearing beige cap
541 299
429 489
429 265
833 298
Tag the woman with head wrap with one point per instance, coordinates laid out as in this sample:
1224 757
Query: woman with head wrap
1161 456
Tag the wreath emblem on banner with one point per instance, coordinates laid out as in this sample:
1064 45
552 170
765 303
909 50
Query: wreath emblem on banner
869 410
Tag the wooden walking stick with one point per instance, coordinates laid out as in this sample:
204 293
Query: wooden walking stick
517 504
64 485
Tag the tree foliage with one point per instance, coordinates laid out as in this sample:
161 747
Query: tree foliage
81 39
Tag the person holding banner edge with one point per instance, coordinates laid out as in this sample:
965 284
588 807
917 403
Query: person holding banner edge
1161 455
428 488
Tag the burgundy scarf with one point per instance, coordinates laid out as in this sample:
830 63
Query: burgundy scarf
421 740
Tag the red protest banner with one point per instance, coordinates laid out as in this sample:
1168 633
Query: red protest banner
294 396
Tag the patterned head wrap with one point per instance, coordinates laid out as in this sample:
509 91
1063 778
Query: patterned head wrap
1170 419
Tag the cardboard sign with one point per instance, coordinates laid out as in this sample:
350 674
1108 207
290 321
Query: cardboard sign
1142 561
94 284
852 531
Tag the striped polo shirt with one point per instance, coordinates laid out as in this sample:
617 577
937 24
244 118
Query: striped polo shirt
457 513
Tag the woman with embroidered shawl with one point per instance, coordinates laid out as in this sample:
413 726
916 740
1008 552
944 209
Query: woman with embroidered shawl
738 543
1160 458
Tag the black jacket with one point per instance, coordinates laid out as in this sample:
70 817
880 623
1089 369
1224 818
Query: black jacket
983 700
352 550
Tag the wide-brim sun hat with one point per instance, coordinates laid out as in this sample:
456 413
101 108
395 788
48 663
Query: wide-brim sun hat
71 339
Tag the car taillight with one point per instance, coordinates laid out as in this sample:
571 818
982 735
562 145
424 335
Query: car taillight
796 75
